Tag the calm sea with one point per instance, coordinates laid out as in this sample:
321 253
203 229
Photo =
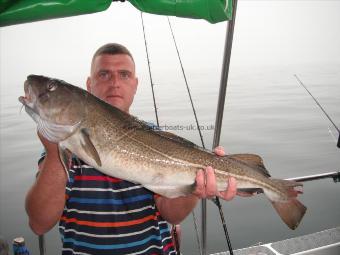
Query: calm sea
266 112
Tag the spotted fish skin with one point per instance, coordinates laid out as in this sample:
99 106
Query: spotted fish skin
120 145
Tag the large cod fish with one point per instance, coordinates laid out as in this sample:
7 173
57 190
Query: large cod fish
122 146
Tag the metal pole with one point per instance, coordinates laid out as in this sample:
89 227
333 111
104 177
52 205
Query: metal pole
224 76
42 247
220 109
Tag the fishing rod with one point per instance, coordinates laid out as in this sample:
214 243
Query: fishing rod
216 200
334 175
320 106
151 81
174 229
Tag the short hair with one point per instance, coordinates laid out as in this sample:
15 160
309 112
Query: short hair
112 49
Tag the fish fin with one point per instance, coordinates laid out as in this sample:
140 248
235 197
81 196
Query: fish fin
292 188
88 146
252 160
289 208
65 157
171 191
291 212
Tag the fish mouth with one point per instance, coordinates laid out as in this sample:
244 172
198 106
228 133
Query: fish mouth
28 104
25 100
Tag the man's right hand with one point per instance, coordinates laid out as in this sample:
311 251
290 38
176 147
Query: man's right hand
50 147
45 200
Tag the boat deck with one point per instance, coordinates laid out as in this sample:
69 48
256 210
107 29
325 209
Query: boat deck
326 242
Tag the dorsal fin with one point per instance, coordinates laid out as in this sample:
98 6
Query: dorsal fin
252 160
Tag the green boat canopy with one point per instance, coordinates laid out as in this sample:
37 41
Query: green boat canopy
21 11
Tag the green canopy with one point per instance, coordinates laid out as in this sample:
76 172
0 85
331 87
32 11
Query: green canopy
22 11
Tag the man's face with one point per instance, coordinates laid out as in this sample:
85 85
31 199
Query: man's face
113 80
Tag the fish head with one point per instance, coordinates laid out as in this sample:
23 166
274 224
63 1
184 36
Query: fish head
56 106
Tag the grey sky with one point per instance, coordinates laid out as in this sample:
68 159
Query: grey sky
266 33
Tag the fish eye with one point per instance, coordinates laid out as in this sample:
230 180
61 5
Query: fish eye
51 86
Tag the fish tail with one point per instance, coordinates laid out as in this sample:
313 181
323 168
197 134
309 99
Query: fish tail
291 212
289 208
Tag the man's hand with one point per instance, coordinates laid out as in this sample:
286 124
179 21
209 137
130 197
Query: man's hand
206 183
45 201
49 146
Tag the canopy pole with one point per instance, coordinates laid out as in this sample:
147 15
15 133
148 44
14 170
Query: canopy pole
220 109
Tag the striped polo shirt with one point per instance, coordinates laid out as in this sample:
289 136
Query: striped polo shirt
105 216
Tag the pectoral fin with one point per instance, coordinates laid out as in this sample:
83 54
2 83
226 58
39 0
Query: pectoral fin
88 146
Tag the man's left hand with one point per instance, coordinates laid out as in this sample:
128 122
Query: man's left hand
206 183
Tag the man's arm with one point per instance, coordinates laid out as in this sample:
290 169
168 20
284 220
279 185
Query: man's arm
176 209
45 200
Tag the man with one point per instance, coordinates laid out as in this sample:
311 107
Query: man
99 214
